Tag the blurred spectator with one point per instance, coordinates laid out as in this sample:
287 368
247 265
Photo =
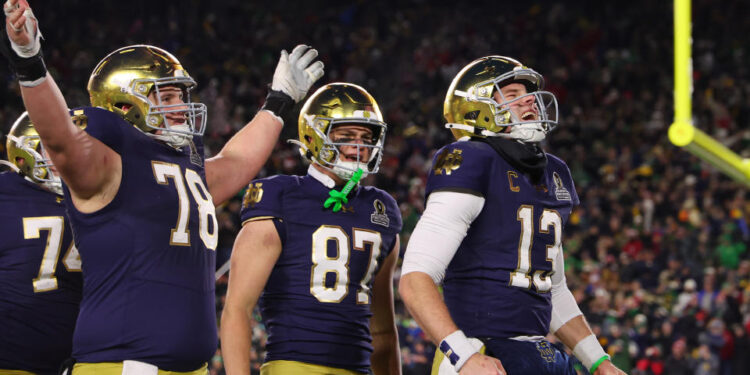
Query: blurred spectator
678 363
741 360
706 362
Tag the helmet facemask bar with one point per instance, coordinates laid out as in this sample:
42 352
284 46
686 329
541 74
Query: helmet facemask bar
329 156
544 106
156 119
41 171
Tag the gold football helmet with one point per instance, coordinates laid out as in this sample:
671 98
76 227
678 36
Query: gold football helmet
471 110
337 104
26 155
123 80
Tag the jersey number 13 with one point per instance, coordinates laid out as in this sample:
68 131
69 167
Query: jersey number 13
522 277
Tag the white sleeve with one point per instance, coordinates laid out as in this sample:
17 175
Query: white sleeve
439 232
564 305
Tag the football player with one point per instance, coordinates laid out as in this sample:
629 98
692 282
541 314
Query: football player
40 270
325 273
140 196
491 233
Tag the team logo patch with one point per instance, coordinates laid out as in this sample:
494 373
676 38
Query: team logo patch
561 193
253 195
546 351
379 217
448 162
79 119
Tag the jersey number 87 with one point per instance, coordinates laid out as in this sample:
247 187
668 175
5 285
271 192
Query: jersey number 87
339 264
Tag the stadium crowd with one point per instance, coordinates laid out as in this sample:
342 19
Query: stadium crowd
656 254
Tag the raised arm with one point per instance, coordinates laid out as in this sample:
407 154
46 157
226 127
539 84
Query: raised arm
68 146
246 153
386 355
256 250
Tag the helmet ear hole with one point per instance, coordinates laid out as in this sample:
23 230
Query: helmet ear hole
471 115
309 140
125 107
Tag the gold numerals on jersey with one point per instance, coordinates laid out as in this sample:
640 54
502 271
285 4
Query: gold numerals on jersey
79 119
336 288
253 195
55 227
448 162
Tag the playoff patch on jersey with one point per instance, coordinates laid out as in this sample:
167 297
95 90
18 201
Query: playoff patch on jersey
379 216
561 193
195 158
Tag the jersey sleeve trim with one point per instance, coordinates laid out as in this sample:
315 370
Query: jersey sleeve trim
258 218
459 190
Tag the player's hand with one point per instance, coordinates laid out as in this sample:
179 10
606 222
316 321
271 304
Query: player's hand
296 72
480 364
20 24
607 368
22 28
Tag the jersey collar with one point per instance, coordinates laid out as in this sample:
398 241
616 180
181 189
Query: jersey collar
324 179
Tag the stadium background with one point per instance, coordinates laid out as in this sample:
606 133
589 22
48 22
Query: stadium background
656 253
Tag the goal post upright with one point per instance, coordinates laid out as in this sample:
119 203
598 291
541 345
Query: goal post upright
682 133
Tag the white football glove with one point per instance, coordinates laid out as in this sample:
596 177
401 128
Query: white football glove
294 74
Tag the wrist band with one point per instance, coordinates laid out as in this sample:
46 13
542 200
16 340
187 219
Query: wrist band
458 349
30 71
278 103
590 352
599 362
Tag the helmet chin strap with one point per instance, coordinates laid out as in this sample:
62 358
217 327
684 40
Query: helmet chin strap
54 186
528 133
345 169
175 139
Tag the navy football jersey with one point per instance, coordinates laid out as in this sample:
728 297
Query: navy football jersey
498 283
316 303
149 255
40 279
